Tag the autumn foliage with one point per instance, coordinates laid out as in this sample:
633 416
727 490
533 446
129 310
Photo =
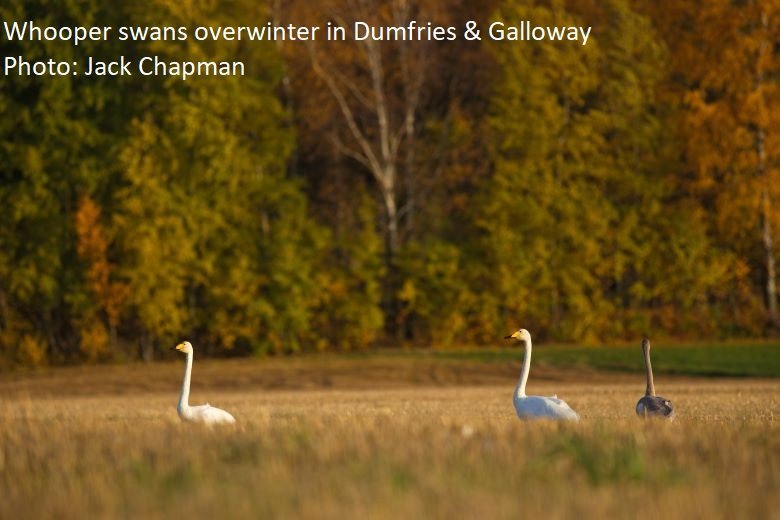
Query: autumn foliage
350 194
110 296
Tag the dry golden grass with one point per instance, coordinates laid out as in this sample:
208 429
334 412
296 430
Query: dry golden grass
385 448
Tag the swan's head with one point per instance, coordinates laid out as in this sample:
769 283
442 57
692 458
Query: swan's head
645 344
185 347
521 336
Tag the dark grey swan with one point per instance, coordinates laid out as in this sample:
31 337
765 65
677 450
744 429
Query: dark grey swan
652 405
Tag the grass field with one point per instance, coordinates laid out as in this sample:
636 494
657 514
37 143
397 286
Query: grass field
743 360
382 437
720 359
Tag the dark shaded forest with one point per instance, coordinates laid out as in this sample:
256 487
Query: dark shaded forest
355 194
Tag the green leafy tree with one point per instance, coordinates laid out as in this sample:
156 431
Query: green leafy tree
576 215
49 136
217 238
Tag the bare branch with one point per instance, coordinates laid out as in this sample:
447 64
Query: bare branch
377 78
349 117
349 152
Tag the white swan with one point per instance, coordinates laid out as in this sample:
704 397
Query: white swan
652 405
205 413
535 406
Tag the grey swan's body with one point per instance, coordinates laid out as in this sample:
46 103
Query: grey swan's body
652 405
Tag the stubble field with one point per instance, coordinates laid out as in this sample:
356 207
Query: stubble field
382 439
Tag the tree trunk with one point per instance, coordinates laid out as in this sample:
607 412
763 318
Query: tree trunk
112 338
391 217
146 345
4 321
767 236
391 304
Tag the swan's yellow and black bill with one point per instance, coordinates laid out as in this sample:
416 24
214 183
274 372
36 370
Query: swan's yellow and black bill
513 336
180 346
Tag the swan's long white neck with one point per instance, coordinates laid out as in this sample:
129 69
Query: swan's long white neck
184 398
520 389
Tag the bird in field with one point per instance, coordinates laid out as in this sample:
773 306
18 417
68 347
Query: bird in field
204 414
652 405
535 406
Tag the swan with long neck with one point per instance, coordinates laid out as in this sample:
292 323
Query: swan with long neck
535 406
652 405
205 414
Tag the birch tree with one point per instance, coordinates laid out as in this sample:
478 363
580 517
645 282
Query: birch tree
378 102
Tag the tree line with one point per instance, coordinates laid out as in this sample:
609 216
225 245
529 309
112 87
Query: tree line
347 194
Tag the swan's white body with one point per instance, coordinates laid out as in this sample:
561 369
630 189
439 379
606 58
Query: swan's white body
536 406
539 407
205 413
